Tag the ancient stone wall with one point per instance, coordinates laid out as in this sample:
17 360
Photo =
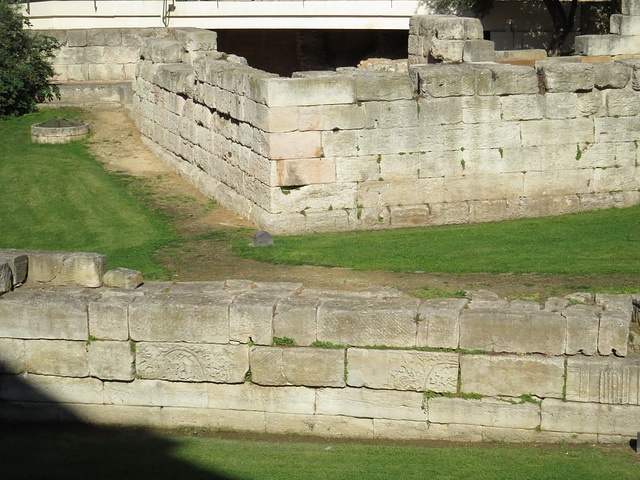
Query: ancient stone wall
281 358
355 149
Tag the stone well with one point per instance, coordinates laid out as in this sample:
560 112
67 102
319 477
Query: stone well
59 130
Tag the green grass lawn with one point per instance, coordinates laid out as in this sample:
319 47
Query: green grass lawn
79 453
600 242
57 197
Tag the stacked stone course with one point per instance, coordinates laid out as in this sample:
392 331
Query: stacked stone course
208 354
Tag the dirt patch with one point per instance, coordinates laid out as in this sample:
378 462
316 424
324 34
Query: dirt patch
116 142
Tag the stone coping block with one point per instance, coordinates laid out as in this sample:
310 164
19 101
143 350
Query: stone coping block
391 322
329 90
186 362
603 380
33 314
508 331
446 27
402 370
161 50
123 278
18 264
169 317
302 366
196 39
566 77
176 78
488 412
379 86
512 375
65 268
559 416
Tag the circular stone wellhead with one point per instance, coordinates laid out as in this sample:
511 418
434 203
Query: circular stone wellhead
59 130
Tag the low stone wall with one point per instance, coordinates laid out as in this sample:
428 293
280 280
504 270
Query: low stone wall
354 149
281 358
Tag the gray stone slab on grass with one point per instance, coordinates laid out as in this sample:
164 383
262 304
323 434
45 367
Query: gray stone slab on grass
123 278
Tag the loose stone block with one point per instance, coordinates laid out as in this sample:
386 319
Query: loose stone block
329 90
362 402
18 263
180 318
192 362
303 366
512 375
582 329
447 51
390 322
66 268
566 77
487 411
111 360
32 314
123 278
248 397
295 317
41 388
402 370
251 318
439 325
156 393
513 332
574 417
56 357
11 355
603 380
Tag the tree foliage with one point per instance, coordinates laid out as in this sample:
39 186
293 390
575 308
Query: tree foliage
25 63
562 17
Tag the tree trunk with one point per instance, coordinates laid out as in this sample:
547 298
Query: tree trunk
563 22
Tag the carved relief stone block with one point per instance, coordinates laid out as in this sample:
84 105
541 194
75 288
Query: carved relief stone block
402 370
603 380
192 362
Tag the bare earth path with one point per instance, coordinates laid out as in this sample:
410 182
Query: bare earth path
116 143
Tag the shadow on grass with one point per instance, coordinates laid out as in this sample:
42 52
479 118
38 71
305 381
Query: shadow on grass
64 447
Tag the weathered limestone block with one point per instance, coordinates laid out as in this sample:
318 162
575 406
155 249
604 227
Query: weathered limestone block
156 393
77 38
486 411
603 380
343 117
109 317
590 103
582 329
123 278
561 105
168 317
442 80
485 300
630 7
518 435
385 86
303 366
513 332
484 186
596 45
402 370
329 90
319 425
574 417
56 357
305 171
390 322
6 278
161 50
403 113
42 388
192 362
11 355
123 415
31 314
542 132
362 402
502 79
445 27
624 24
512 375
400 429
446 51
175 77
104 36
615 130
524 306
280 146
295 317
250 397
566 77
479 51
111 360
478 109
613 332
439 325
214 419
439 111
622 103
66 268
611 75
18 263
251 317
196 39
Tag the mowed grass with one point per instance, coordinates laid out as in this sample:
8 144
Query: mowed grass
57 197
98 453
599 242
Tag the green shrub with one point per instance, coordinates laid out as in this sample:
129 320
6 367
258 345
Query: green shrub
25 68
